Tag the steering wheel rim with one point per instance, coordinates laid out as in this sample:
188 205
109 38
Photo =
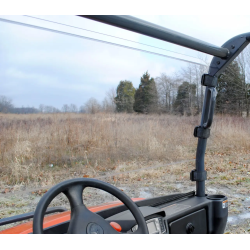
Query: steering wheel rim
82 220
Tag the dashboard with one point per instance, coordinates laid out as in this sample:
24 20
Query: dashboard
188 215
171 214
153 217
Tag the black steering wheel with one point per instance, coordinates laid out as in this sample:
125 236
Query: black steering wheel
83 221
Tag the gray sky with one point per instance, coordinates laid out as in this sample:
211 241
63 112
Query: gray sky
40 67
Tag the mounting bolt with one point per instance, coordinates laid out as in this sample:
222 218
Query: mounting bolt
232 46
218 62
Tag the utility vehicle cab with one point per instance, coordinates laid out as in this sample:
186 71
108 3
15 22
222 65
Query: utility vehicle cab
179 213
184 213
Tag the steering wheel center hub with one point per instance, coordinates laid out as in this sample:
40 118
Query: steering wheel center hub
94 228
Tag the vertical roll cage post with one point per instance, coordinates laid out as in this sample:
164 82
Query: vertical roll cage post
218 64
223 56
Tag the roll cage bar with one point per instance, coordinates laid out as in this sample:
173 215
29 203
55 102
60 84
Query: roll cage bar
223 56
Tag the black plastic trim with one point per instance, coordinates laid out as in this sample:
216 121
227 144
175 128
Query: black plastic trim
21 217
198 176
153 202
209 81
201 132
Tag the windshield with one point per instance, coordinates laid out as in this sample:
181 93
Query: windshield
115 106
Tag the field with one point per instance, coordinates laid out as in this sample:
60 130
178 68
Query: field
144 155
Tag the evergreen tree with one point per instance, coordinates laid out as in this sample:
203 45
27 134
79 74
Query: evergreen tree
232 91
185 103
125 97
146 98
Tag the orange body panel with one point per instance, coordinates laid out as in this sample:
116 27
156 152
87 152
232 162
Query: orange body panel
52 220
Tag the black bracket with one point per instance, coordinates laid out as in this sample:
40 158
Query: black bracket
208 80
201 132
235 45
198 176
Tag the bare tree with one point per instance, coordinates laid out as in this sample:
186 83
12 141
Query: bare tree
51 109
167 89
5 104
82 109
108 104
192 74
41 108
55 110
65 108
73 108
92 106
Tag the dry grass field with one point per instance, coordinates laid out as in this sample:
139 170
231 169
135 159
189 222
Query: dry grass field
145 155
31 143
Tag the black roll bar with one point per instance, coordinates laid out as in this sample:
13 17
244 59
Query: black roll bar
156 31
223 56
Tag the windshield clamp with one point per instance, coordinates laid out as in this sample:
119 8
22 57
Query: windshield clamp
201 132
198 176
208 80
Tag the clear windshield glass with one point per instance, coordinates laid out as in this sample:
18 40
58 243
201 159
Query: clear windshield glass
73 108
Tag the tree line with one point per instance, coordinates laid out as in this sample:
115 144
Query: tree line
183 94
164 94
180 93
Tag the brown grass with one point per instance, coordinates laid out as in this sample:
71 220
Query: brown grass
83 144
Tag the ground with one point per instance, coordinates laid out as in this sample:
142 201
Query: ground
146 182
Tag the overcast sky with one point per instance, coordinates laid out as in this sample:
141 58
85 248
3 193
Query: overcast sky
40 67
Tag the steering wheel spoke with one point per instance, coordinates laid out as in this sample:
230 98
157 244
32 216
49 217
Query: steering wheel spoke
74 195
